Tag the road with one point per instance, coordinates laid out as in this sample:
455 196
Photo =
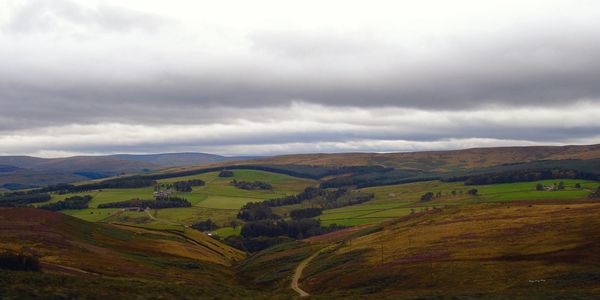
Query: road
298 273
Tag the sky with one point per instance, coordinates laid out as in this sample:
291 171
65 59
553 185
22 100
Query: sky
277 77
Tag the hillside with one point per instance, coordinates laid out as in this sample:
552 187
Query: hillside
26 171
440 161
179 159
134 259
518 251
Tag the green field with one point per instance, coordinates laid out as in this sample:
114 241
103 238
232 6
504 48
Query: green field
228 231
217 200
400 200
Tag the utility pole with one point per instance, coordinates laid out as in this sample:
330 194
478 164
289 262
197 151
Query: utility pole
381 252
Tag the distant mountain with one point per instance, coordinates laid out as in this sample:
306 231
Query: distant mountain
179 159
26 171
433 161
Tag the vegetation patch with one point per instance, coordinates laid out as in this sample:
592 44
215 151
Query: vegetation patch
74 202
167 202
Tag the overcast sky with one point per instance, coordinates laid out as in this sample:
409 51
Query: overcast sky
273 77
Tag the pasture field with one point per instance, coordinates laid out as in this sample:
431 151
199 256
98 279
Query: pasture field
218 200
400 200
228 231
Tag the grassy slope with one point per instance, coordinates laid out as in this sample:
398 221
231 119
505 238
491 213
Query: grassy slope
518 251
217 200
399 200
117 254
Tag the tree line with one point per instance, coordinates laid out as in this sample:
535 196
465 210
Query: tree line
295 228
186 186
75 202
162 202
523 176
318 197
20 199
304 213
251 185
226 173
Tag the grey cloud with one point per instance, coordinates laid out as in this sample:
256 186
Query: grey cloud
46 16
175 78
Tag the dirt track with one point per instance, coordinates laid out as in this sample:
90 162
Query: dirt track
300 268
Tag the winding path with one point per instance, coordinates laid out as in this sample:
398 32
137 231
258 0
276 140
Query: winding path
300 268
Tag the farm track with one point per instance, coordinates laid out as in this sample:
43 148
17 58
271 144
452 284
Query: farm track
66 269
298 273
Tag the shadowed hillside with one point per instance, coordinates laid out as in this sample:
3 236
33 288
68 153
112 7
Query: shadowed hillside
69 246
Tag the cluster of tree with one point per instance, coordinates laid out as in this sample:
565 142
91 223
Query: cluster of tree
308 193
254 211
186 186
427 197
303 213
368 177
123 183
19 199
526 175
341 198
162 202
251 185
119 183
207 225
75 202
318 197
61 188
296 229
19 262
226 173
430 195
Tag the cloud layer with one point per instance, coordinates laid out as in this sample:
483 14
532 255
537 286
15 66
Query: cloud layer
268 78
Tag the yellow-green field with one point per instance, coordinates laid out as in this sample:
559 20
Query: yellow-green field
217 200
399 200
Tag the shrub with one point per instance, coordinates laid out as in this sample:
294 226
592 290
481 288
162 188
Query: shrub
207 225
305 213
427 196
226 173
166 202
75 202
19 262
256 185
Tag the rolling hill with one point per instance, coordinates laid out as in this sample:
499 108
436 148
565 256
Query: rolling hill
438 161
26 171
132 260
519 251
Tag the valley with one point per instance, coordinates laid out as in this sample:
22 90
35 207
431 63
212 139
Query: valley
285 231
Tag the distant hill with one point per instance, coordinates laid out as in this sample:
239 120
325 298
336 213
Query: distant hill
180 159
23 171
437 161
27 171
